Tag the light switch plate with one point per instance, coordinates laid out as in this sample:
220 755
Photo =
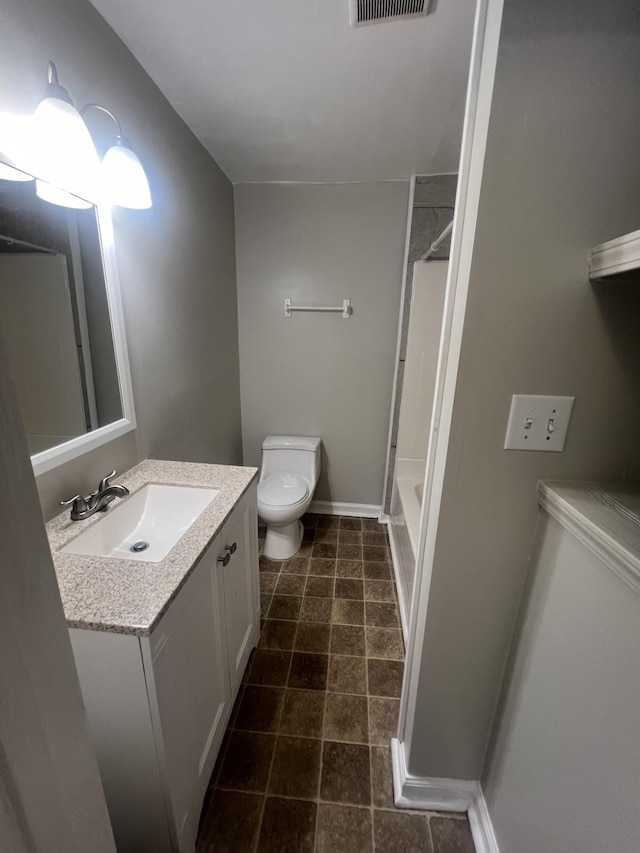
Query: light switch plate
538 423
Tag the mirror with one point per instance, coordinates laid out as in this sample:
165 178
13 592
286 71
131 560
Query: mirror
61 320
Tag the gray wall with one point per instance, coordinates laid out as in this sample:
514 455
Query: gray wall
564 768
317 373
561 174
51 795
176 261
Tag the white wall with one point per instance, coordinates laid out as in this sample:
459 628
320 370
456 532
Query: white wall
176 261
561 174
565 764
317 373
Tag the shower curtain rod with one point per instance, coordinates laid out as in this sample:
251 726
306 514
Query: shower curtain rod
11 241
436 243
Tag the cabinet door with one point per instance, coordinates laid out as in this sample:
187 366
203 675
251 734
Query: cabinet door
241 597
190 695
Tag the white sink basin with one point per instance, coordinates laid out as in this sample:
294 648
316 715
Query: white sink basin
155 516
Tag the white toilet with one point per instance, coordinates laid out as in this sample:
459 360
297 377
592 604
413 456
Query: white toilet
290 470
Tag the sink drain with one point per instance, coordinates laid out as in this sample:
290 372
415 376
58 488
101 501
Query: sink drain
137 547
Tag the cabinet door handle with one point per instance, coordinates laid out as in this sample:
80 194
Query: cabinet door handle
231 548
225 560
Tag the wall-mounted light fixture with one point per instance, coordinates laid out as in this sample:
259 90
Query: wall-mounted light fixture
66 156
8 170
55 195
64 159
122 173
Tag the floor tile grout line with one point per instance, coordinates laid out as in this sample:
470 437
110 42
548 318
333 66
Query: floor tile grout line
275 746
321 801
372 807
325 802
430 832
324 712
334 578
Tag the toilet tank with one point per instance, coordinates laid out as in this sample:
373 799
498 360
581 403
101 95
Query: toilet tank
291 454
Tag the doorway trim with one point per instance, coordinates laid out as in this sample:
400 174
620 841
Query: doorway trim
482 70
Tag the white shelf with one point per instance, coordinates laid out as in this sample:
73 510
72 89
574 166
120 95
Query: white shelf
605 517
616 256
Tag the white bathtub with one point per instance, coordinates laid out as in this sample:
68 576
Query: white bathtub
404 529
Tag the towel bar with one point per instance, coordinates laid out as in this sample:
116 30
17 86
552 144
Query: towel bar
344 309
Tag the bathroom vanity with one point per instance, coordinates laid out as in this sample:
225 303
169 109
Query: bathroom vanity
160 649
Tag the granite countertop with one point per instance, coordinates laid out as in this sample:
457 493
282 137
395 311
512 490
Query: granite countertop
127 596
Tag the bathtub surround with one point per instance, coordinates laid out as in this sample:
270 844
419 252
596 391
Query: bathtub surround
429 281
432 210
433 207
176 261
318 374
551 189
423 342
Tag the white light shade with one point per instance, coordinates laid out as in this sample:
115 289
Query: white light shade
124 180
66 155
55 195
16 147
8 173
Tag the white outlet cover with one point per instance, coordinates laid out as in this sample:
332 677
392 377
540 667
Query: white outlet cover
538 423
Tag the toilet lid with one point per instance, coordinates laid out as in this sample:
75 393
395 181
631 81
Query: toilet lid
282 490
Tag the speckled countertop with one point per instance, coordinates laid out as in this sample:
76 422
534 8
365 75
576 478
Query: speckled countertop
127 596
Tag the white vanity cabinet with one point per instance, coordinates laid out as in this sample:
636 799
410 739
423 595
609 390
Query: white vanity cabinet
187 675
241 589
158 705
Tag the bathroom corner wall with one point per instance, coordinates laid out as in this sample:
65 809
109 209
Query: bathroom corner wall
176 261
561 174
433 204
318 373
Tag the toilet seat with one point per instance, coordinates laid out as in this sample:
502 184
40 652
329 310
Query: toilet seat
282 490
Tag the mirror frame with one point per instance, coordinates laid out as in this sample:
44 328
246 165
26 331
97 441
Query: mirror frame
51 458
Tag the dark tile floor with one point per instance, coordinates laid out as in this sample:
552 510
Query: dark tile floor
305 764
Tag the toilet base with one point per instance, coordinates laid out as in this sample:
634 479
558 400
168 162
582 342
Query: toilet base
283 541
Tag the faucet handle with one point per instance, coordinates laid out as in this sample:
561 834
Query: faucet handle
79 503
104 483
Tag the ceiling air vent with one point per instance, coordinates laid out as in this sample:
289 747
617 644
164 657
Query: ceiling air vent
362 12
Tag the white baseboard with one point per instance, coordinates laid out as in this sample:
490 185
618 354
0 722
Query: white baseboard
484 837
419 792
404 605
334 508
452 795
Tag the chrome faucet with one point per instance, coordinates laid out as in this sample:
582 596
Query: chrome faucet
84 507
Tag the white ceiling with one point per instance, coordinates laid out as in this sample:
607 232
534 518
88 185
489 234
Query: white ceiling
286 90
